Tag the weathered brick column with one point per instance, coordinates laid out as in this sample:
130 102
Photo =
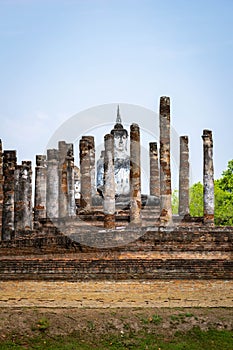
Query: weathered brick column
23 197
184 177
40 188
135 176
67 205
63 184
52 190
1 187
71 207
91 154
92 164
109 182
208 177
165 168
154 170
85 174
9 164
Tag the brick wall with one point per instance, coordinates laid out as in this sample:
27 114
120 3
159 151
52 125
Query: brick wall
180 253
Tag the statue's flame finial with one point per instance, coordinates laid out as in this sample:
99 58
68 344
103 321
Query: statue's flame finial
118 119
118 127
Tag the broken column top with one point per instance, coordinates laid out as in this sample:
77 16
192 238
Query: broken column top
153 146
207 133
52 154
10 155
88 138
61 144
40 160
107 137
164 105
207 136
62 147
134 127
65 150
70 150
26 163
87 142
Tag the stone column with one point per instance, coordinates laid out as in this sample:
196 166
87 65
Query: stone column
52 190
9 164
76 182
154 170
100 172
208 177
91 154
184 177
40 188
165 168
18 204
109 182
85 174
23 197
1 187
67 205
71 208
135 176
63 183
92 165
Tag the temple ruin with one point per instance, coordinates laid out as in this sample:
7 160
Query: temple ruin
105 194
113 185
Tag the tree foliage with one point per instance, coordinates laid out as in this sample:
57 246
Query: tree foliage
224 197
226 181
175 202
196 200
223 212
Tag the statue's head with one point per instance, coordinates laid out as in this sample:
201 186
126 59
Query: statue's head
120 141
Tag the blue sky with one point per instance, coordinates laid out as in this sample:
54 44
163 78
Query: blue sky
58 58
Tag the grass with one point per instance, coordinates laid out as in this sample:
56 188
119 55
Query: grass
181 317
192 340
42 325
91 325
156 319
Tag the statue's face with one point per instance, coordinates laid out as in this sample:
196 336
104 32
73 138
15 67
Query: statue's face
120 142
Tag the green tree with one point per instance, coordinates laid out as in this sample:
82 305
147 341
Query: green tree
224 197
196 200
223 212
175 202
226 181
223 193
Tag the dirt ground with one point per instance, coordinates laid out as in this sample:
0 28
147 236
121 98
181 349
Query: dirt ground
32 321
98 308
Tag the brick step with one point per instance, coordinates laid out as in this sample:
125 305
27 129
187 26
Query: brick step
115 269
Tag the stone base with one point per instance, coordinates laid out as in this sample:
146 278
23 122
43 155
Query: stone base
143 254
109 221
123 201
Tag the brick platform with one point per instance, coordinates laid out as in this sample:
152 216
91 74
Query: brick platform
178 253
93 294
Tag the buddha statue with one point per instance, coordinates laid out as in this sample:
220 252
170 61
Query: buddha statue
121 160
